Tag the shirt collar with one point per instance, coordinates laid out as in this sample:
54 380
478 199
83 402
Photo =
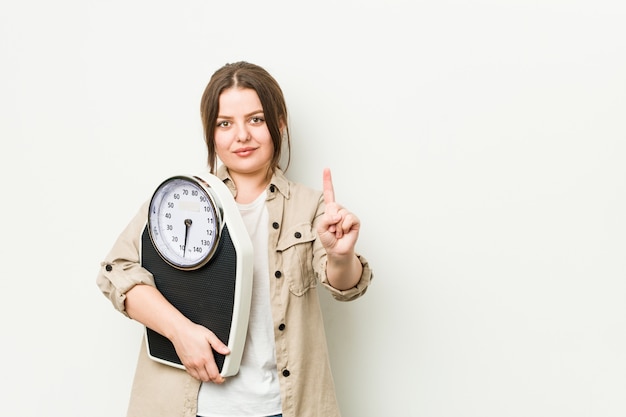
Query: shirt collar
279 181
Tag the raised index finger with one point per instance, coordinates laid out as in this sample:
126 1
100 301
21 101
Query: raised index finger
329 191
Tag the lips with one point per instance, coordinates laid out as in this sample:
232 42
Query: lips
244 151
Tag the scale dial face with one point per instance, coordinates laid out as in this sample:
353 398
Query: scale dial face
184 222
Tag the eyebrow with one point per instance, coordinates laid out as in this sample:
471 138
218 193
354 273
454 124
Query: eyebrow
245 115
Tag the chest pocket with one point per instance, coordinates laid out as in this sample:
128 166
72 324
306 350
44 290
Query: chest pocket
296 247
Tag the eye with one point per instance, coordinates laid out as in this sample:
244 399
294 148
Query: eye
223 123
257 120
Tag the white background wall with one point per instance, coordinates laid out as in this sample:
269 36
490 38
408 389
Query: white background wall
482 144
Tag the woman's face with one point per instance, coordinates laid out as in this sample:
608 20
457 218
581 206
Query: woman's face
242 140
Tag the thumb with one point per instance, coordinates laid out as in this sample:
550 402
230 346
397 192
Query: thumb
218 345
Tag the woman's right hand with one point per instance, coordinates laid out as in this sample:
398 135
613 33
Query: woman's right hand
194 344
192 341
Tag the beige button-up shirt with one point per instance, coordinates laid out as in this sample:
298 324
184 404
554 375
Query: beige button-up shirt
297 262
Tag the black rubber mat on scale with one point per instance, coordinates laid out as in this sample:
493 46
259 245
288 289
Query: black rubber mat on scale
205 295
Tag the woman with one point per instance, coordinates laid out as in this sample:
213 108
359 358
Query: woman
301 237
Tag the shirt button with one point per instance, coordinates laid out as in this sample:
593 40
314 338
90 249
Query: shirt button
275 225
278 274
298 235
272 188
281 327
109 268
286 372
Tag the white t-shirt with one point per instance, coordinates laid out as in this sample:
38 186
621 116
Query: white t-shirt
254 391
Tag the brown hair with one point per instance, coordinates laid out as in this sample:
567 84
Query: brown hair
245 75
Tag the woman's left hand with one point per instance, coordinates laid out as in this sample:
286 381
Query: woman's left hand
338 229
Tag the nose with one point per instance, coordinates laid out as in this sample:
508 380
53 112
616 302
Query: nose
243 134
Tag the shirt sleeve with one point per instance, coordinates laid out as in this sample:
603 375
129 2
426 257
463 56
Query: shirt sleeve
121 270
355 292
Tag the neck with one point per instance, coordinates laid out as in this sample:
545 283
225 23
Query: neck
249 186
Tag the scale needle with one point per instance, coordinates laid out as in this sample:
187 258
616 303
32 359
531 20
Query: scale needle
187 225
